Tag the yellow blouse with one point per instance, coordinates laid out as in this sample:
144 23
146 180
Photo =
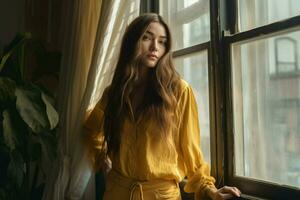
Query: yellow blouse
143 156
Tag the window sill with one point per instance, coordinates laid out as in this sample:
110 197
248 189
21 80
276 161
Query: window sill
248 197
186 196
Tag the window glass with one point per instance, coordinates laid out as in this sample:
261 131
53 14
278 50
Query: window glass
185 3
267 109
255 13
189 21
194 69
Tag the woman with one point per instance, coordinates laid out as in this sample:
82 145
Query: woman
147 123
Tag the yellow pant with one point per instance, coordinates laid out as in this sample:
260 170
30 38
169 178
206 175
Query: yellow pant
119 187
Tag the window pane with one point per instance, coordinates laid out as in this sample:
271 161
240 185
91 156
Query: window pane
266 111
189 21
255 13
194 69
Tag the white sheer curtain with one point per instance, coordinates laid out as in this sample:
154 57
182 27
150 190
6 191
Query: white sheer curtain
93 30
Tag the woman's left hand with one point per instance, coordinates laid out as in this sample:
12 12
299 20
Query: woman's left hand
225 192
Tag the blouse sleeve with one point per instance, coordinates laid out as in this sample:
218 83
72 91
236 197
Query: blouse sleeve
94 134
196 169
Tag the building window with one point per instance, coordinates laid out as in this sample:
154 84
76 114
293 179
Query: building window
286 55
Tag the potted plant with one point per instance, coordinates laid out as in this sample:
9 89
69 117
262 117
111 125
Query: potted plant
27 122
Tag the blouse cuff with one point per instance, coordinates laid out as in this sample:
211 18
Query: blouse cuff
202 194
199 184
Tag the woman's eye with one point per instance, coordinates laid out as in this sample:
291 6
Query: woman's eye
163 42
146 37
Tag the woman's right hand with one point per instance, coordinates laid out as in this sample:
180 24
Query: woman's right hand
223 193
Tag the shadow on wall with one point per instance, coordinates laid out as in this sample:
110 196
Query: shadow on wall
11 20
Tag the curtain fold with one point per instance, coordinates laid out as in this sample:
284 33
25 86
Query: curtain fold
92 31
80 26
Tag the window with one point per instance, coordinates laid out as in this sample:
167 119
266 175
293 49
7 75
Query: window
255 13
266 114
188 20
263 94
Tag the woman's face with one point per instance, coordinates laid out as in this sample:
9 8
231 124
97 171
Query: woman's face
153 44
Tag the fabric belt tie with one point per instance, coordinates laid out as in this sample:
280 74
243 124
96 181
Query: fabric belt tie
136 191
137 188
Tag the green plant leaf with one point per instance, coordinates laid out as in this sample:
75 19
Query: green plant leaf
17 40
32 109
7 89
14 45
15 168
51 112
8 131
4 59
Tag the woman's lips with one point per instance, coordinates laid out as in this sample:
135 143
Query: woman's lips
152 57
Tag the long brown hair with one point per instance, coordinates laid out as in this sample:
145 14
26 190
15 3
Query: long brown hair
163 84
